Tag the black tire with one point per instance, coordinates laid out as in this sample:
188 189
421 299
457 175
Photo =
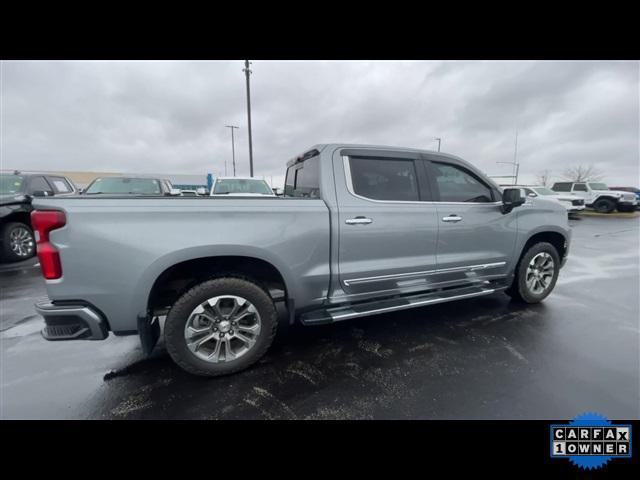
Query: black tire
604 205
626 208
178 315
518 289
6 252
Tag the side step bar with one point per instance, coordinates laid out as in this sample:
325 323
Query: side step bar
339 313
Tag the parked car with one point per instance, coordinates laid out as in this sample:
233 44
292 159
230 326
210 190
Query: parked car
361 230
572 204
188 193
130 186
598 196
241 186
16 191
634 190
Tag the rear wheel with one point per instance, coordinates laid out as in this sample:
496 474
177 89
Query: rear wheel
17 242
604 205
220 326
536 274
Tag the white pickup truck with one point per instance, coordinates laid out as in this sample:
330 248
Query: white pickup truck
598 196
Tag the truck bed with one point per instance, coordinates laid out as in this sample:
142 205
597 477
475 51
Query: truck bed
123 243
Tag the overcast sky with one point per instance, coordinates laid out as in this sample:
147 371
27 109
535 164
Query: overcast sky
169 117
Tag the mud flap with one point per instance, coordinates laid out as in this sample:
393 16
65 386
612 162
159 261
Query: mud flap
149 330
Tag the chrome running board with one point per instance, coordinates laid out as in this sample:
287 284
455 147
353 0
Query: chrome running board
376 307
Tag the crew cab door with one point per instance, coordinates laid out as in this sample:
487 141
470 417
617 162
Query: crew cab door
476 240
387 226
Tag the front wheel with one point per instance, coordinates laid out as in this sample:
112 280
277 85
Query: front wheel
604 205
220 326
536 274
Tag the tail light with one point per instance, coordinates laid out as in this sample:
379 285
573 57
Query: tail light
43 222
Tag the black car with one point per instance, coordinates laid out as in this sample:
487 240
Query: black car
16 191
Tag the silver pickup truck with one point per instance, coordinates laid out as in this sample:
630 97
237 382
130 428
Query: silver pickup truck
361 230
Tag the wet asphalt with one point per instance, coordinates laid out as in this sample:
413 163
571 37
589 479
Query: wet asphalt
485 358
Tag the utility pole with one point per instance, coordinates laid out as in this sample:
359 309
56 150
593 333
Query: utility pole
515 158
439 140
247 72
515 169
233 148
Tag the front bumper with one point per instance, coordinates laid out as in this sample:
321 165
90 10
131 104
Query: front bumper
575 208
72 322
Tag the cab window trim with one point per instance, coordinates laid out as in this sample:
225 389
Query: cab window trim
424 191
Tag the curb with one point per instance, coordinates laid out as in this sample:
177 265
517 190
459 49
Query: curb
610 215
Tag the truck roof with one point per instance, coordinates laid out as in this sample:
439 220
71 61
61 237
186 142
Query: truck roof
315 149
318 148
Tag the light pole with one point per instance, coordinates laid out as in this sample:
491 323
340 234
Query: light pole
439 140
233 149
247 72
516 165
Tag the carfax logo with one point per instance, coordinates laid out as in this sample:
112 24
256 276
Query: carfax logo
590 441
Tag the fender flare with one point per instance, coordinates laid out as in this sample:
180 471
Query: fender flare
151 274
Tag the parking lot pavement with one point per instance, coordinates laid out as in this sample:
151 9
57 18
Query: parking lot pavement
482 358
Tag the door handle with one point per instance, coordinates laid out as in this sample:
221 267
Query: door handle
452 218
358 221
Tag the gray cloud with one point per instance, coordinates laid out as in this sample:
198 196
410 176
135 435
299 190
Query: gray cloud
169 117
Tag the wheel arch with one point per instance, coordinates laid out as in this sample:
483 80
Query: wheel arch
21 216
170 276
557 238
606 197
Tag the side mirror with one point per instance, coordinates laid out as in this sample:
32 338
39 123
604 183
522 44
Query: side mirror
511 198
42 193
532 195
175 192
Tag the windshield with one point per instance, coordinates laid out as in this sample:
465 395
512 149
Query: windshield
10 184
118 185
544 191
241 185
598 186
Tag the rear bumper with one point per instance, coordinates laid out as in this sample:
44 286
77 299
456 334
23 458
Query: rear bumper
72 322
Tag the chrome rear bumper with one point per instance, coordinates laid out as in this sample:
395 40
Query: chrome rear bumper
72 322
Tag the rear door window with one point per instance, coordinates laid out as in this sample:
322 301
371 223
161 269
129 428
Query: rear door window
561 187
39 184
580 187
387 179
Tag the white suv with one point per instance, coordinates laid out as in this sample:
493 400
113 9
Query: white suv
598 196
571 203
